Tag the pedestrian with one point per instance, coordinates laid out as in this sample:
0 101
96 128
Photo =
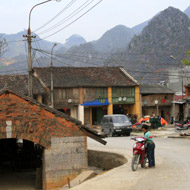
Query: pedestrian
150 147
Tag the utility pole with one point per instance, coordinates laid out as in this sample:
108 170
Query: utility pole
30 79
181 115
182 73
29 40
52 101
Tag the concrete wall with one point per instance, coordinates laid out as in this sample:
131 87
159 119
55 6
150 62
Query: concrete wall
150 99
66 158
74 112
105 160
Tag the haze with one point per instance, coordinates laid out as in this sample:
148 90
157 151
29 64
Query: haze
106 15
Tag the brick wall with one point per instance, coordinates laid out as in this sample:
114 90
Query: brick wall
29 121
65 153
66 158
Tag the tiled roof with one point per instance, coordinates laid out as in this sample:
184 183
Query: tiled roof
155 89
85 76
19 84
89 132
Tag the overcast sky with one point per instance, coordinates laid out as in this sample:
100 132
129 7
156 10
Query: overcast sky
106 15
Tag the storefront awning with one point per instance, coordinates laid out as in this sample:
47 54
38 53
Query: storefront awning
96 103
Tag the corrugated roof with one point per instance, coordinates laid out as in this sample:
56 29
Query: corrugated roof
85 76
155 89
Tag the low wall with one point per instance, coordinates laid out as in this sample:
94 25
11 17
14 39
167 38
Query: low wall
66 158
105 160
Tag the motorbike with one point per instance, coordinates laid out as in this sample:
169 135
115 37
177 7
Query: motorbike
182 127
139 153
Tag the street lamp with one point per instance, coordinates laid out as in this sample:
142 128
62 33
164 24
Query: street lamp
52 102
182 72
29 39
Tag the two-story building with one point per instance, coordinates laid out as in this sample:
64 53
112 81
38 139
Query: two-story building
88 93
85 93
157 100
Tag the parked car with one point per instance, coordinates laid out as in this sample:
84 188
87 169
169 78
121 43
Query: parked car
116 124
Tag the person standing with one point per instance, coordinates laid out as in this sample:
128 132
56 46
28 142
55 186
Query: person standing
150 147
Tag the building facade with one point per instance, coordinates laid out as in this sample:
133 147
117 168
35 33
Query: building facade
85 93
34 136
157 100
89 93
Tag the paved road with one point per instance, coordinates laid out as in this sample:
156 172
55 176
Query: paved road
172 170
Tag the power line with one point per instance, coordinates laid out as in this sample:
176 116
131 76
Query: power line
102 59
41 59
121 60
65 58
72 21
74 13
64 9
130 70
113 54
7 71
15 41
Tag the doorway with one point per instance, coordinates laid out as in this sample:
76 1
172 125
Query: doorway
118 109
97 114
20 163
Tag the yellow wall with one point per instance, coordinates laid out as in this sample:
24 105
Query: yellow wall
136 108
110 107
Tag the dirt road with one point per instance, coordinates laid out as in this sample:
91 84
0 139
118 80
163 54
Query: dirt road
172 170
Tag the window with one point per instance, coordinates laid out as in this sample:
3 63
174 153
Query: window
58 94
120 119
63 93
101 93
75 92
122 91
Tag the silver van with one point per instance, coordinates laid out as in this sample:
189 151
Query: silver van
116 124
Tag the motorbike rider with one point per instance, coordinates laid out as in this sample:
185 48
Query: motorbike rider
150 147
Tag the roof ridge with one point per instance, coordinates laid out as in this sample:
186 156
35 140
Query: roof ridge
128 75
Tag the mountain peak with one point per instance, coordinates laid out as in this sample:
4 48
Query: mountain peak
74 40
187 11
115 38
163 30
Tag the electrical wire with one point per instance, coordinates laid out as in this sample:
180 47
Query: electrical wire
63 10
112 54
130 70
72 21
69 59
70 16
92 58
15 41
41 59
79 55
8 71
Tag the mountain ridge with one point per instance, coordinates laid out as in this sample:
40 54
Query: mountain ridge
165 34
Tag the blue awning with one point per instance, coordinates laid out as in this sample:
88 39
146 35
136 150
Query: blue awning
96 103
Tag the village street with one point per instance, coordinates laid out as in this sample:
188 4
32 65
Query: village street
171 172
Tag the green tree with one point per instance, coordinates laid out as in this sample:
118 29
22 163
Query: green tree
186 61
